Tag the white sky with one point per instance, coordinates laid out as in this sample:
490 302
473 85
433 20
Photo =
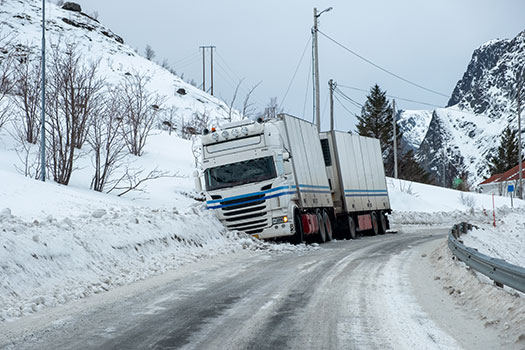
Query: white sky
428 42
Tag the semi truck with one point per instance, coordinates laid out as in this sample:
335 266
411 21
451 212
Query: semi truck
283 178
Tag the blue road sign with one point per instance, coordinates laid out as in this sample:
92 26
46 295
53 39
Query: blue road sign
510 188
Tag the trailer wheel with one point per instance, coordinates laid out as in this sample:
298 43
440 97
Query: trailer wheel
383 224
322 227
328 226
351 228
375 224
297 238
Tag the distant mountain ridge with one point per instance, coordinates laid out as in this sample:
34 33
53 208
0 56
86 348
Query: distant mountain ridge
489 83
459 138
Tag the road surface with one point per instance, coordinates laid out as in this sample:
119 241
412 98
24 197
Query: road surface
358 294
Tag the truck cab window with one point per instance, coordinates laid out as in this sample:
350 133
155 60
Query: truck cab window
240 173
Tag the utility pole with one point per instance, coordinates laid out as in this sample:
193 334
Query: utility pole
316 73
203 68
316 67
43 88
211 50
520 158
332 86
395 137
211 47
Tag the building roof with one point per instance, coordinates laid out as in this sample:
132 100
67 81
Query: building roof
509 175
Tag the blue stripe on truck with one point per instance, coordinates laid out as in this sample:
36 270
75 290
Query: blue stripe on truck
366 193
249 201
314 189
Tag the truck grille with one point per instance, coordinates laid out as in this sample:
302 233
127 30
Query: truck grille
248 216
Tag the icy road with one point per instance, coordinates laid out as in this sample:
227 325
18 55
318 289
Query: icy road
372 293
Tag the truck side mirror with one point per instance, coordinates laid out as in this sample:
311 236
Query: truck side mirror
286 156
197 181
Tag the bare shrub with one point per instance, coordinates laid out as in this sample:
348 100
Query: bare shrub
467 200
27 91
72 100
196 125
248 107
106 140
134 179
140 110
6 84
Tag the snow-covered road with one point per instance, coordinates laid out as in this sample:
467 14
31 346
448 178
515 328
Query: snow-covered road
346 295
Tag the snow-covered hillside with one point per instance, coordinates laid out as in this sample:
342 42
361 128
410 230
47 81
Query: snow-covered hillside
20 25
489 83
461 136
414 124
458 141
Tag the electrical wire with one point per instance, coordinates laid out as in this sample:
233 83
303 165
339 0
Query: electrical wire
392 96
343 105
381 68
295 73
307 88
354 102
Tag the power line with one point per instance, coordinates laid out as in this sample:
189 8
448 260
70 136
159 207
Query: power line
381 68
392 96
307 87
294 74
343 105
354 102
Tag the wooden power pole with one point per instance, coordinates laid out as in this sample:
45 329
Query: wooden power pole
395 137
332 86
211 47
519 85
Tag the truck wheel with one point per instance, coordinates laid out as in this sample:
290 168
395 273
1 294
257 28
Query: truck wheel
297 238
351 228
322 228
375 224
383 225
328 226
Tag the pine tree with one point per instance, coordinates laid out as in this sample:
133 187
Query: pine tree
376 121
507 154
409 169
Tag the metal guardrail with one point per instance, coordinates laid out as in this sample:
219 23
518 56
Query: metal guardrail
498 270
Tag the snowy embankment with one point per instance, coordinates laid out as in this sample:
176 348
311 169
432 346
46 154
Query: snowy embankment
420 204
60 243
48 259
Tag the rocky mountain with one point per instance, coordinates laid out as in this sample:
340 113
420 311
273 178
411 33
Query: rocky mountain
489 84
20 32
458 139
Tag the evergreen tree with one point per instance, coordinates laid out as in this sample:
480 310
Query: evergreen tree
507 154
376 121
409 169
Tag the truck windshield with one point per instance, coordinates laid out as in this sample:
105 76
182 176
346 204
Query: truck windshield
240 173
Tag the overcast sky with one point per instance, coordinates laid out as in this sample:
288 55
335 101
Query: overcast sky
427 42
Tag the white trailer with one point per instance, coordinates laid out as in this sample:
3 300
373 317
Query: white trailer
269 179
356 173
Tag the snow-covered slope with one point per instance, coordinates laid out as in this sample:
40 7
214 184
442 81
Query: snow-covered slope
414 124
458 142
488 84
460 137
20 23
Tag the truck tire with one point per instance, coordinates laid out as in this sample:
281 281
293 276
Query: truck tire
322 227
375 224
383 226
297 238
328 226
352 231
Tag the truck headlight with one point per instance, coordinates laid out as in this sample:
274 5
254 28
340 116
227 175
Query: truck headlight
225 134
235 132
244 130
280 220
215 136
